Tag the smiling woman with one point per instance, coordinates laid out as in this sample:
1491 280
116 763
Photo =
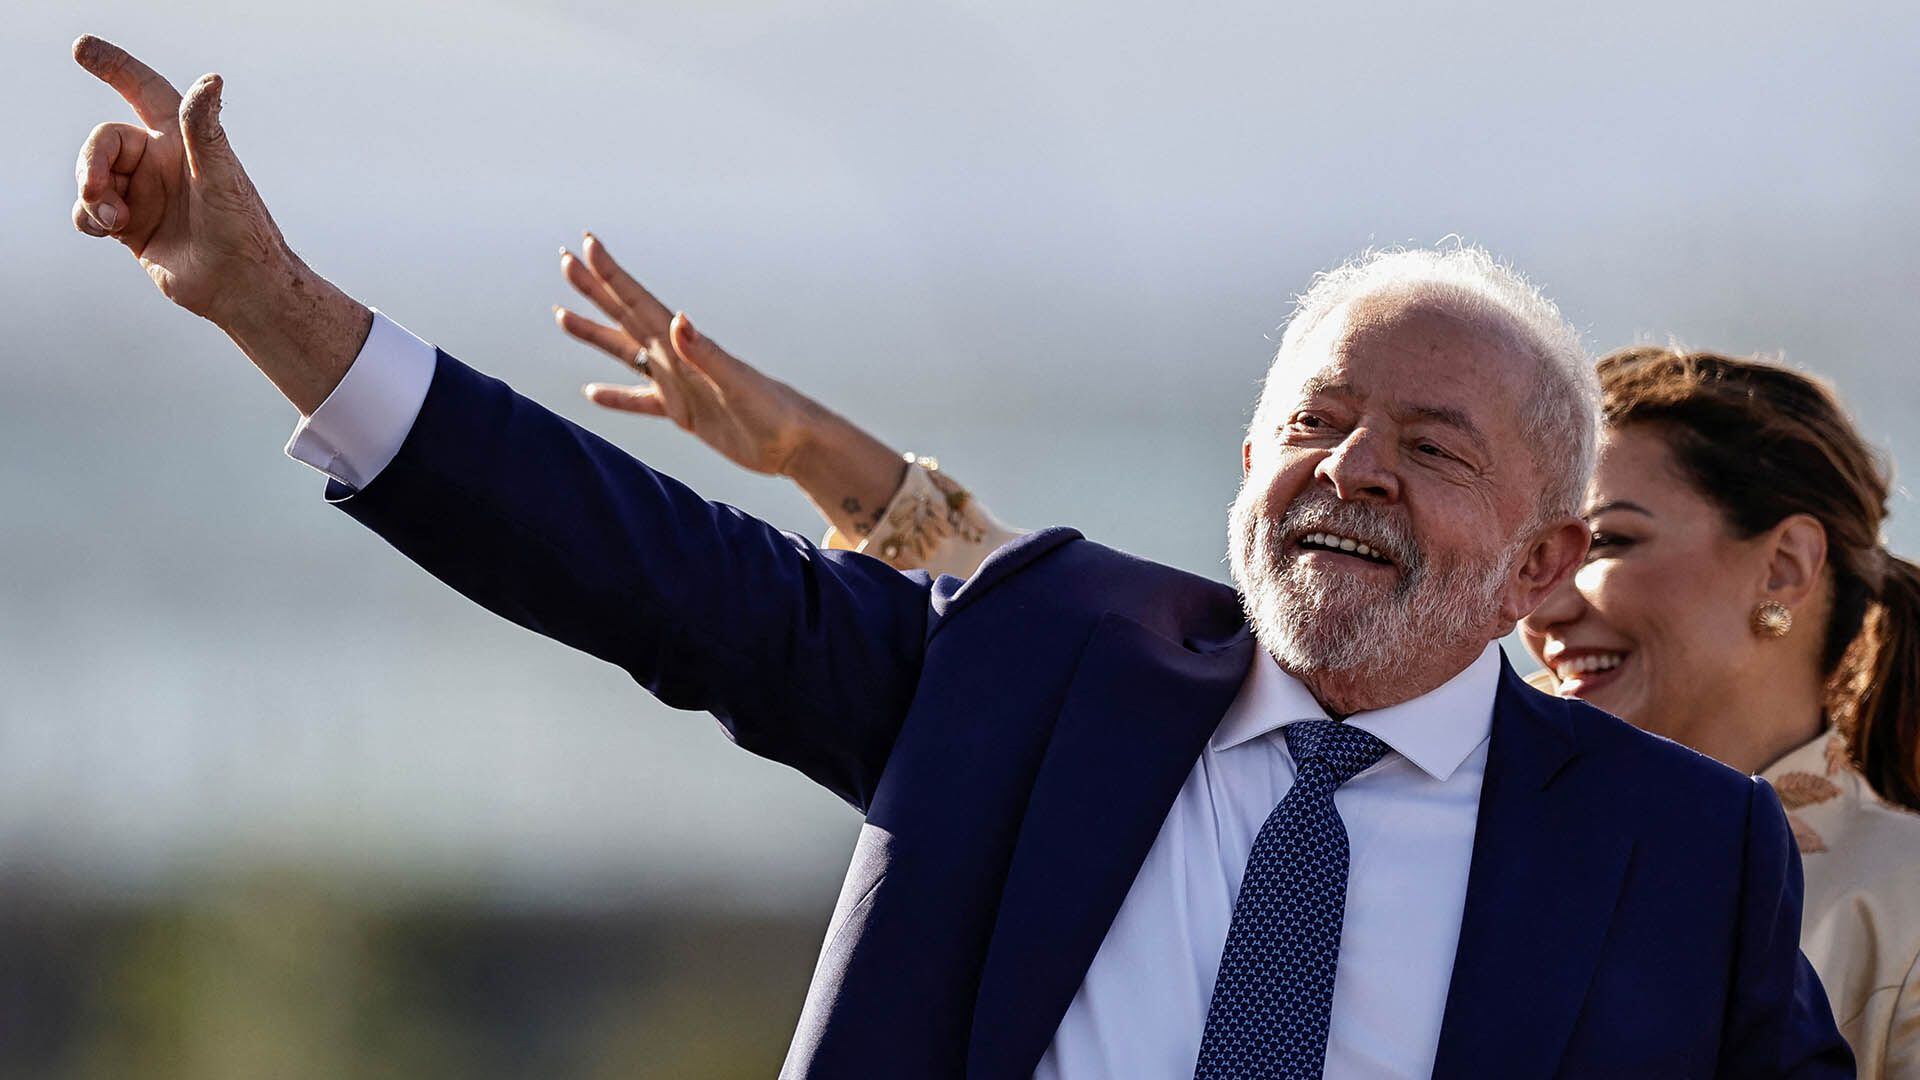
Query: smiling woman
1737 598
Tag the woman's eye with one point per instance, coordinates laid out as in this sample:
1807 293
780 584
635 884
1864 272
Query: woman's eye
1606 541
1431 450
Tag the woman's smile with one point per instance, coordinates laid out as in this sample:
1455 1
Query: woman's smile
1584 673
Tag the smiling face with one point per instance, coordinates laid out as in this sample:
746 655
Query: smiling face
1654 626
1382 532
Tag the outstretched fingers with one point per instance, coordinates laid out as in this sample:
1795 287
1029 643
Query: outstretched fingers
630 293
611 340
153 98
588 284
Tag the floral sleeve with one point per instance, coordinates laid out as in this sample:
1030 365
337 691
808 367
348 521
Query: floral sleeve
932 524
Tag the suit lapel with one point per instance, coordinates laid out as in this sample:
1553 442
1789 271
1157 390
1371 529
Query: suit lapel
1546 874
1138 711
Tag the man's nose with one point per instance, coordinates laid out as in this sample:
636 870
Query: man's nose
1361 467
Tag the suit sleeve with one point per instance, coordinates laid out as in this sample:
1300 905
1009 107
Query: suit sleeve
806 657
1778 1023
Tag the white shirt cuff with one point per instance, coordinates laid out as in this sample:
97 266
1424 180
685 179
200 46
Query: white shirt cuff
359 428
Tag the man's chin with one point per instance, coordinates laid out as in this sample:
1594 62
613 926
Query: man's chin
1341 591
1321 631
1318 653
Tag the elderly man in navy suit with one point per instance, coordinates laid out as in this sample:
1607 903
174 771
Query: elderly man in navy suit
1120 821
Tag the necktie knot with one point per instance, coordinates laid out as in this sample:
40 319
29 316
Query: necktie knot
1342 749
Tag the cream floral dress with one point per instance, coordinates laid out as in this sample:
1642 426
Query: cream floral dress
1860 924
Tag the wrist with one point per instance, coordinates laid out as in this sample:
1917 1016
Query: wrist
299 329
849 475
806 438
260 296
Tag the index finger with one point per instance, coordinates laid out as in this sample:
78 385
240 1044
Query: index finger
631 292
153 98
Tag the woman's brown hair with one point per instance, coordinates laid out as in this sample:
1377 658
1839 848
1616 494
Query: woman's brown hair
1762 443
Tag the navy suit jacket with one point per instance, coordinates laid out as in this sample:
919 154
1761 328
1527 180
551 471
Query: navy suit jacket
1015 741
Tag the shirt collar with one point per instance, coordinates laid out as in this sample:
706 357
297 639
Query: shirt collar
1436 731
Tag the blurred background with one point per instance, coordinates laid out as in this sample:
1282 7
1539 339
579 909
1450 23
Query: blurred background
275 803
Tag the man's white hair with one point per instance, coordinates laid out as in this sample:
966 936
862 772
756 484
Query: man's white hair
1562 421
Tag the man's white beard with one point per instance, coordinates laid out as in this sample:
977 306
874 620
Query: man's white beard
1316 622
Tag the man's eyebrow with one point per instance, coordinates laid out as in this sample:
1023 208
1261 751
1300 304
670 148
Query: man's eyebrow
1451 417
1615 504
1326 384
1333 386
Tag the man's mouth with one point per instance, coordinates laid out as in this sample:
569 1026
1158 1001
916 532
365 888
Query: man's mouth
1343 545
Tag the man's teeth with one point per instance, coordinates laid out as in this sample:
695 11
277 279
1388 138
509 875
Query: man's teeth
1341 543
1588 664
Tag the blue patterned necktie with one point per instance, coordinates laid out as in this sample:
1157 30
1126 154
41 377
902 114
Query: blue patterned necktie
1274 994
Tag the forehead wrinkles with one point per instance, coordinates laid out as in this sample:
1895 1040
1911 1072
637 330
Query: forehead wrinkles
1435 330
1430 355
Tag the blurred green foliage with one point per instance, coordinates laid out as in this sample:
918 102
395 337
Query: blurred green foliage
275 977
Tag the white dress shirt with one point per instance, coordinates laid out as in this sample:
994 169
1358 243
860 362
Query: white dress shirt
1410 820
1142 1008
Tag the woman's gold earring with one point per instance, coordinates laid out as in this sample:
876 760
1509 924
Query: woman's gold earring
1772 619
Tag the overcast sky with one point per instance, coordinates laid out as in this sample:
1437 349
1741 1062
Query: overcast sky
1051 244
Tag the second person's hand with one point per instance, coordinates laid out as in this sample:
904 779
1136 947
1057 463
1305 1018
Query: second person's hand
757 422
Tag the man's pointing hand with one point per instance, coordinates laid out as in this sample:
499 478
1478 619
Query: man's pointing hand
171 189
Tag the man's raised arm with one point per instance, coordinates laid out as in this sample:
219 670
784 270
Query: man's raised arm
810 658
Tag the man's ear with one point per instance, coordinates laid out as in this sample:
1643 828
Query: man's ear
1246 456
1796 552
1551 557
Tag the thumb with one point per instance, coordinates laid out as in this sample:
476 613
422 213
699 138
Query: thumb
206 141
698 350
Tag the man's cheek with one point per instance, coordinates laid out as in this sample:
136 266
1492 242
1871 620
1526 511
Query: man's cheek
1289 478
